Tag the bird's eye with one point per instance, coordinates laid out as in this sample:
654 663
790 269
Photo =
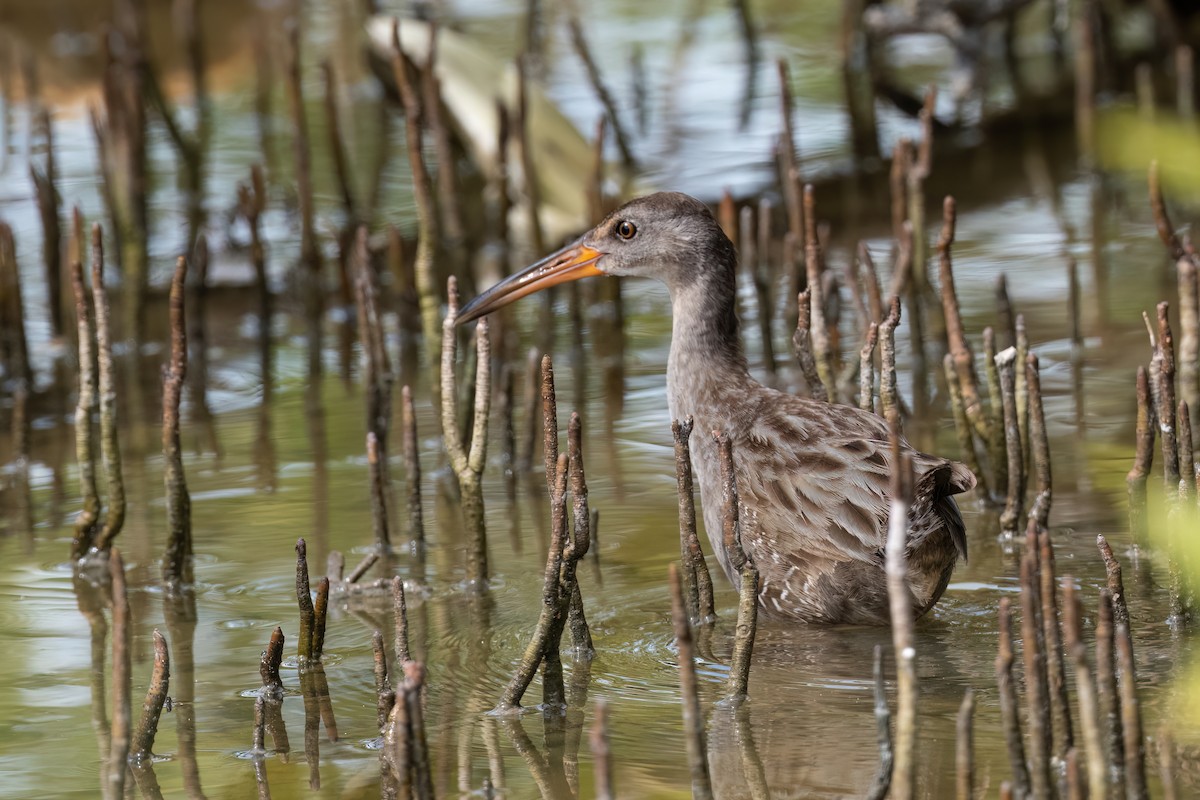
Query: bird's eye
626 229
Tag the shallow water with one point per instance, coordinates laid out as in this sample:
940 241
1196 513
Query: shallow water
810 716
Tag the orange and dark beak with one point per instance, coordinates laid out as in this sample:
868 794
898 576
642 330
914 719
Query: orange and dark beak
573 262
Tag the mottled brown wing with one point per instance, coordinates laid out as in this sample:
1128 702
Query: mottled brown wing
814 480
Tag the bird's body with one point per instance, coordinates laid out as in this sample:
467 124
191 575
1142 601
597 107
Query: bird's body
813 478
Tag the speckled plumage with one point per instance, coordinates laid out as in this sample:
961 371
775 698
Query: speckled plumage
813 478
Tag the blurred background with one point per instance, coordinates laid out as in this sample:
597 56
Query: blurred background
1040 117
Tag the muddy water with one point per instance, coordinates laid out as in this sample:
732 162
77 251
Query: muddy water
261 477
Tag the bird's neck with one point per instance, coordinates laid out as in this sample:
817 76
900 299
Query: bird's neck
707 365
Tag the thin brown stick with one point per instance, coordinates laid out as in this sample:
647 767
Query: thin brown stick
1089 713
747 616
889 392
1005 319
1008 703
543 639
874 298
379 514
697 579
682 431
1166 401
414 682
398 740
1116 586
268 667
802 341
730 529
964 362
866 370
1022 391
400 613
1131 717
693 719
45 182
85 408
320 617
581 540
549 422
555 599
1109 699
1015 500
412 466
962 426
304 600
996 442
156 696
272 690
1052 635
110 447
385 696
900 604
1036 690
177 563
468 463
1143 457
819 331
1039 442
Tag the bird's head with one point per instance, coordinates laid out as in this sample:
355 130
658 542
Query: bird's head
668 236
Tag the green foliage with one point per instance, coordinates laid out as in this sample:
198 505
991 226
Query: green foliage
1128 141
